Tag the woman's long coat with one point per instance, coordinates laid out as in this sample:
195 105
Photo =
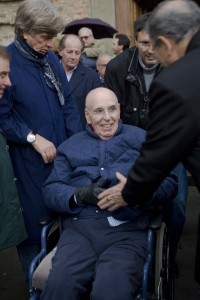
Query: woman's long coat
30 105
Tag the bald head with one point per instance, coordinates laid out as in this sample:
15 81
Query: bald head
70 39
102 112
174 20
100 95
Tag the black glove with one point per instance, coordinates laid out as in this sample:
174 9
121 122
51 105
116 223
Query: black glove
88 194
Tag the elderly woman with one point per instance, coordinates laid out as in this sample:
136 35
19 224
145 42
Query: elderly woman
38 113
98 247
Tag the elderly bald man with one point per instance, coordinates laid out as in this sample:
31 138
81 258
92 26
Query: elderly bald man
97 247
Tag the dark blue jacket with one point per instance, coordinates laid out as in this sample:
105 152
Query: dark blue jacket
31 105
83 80
85 158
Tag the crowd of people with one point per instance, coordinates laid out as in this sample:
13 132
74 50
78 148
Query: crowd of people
100 132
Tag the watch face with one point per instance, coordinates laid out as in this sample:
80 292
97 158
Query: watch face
31 138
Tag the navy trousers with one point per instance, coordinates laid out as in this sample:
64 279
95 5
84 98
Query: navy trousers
174 212
91 252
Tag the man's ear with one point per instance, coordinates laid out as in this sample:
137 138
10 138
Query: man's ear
87 116
135 42
25 35
121 47
167 43
60 52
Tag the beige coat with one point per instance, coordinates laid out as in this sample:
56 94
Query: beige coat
98 47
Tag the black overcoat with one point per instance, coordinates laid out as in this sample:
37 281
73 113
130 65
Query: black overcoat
174 128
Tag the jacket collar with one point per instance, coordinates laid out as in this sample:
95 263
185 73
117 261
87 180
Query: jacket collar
91 133
194 42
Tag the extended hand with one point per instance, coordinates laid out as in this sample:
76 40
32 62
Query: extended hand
46 148
88 194
111 199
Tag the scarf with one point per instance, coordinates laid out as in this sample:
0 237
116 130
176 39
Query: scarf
49 71
147 69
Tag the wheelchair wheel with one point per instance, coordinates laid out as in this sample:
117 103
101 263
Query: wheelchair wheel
164 282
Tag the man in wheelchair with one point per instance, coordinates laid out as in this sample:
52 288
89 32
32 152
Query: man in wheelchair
100 249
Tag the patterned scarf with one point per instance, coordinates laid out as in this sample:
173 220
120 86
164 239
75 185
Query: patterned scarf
49 71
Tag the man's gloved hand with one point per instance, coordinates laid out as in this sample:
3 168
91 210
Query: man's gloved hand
88 194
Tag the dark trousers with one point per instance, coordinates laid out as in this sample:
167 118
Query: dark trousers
90 251
174 212
197 260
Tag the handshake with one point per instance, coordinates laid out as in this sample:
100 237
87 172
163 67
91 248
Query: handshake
87 195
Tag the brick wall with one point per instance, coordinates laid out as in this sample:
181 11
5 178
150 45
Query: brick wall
69 10
73 9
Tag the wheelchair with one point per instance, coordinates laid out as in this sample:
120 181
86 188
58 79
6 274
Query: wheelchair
157 282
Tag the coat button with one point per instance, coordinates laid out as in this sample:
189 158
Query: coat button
135 109
102 169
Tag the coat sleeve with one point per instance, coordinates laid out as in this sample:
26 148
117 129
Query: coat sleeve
57 190
111 79
171 123
14 130
166 191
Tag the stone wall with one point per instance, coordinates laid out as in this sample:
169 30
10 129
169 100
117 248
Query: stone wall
69 10
7 18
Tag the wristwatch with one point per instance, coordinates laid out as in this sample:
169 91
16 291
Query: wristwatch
31 137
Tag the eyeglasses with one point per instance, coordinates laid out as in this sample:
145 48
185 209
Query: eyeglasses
145 45
85 37
100 112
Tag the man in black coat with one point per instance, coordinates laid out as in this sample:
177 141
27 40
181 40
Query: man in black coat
173 134
129 76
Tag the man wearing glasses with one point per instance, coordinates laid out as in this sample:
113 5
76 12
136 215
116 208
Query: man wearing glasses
97 248
93 47
130 74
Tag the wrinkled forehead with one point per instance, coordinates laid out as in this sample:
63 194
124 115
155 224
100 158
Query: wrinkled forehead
73 44
102 100
143 35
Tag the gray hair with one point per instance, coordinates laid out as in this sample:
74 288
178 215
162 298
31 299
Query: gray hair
174 19
102 56
36 16
89 31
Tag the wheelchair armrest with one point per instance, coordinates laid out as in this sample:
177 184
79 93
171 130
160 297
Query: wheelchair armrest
49 237
155 221
47 219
